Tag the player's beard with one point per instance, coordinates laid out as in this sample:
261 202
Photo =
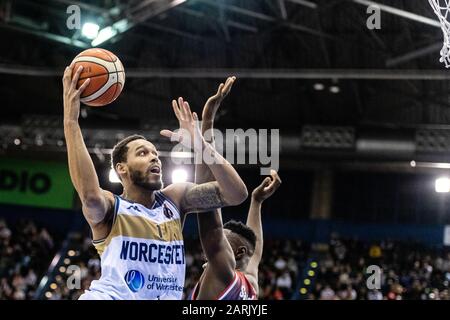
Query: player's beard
141 180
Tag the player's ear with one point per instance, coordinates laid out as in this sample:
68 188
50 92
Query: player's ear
121 168
241 252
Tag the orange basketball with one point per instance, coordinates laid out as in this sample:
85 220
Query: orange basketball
106 73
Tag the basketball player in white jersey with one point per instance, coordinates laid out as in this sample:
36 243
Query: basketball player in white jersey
234 250
138 234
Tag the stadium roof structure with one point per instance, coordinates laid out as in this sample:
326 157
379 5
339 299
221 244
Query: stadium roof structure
299 63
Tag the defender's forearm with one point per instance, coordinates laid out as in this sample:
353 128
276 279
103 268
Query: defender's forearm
232 187
254 222
209 223
202 172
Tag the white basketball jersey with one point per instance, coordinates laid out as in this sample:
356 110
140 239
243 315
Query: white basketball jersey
143 256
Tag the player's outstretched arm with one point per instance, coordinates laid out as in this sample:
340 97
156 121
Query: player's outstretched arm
210 108
228 189
217 249
96 202
261 193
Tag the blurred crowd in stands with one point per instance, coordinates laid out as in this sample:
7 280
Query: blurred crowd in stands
25 254
342 271
81 254
408 271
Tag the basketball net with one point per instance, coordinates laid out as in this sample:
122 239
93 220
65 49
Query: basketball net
441 9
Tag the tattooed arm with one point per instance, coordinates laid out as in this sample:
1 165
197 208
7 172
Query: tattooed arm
192 197
202 197
229 188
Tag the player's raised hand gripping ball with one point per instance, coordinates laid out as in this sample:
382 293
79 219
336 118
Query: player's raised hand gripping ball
106 73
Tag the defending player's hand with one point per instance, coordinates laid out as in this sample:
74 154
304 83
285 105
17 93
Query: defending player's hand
267 187
213 103
189 134
71 93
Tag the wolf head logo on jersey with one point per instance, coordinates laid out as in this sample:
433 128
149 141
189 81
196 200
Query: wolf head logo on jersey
167 212
135 280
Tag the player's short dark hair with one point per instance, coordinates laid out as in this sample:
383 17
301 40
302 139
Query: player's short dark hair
119 153
242 230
